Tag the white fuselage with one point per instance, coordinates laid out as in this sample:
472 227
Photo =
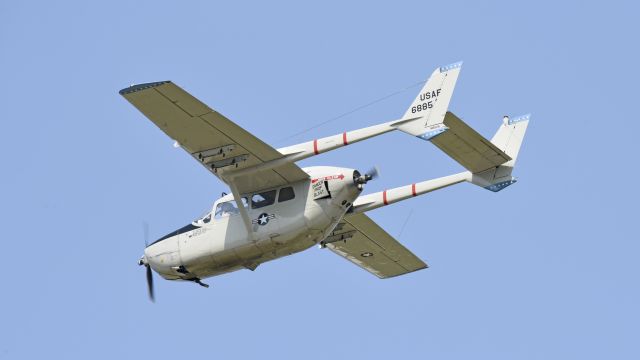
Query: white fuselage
281 225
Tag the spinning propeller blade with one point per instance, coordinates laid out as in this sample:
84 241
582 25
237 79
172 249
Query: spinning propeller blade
143 261
150 283
373 173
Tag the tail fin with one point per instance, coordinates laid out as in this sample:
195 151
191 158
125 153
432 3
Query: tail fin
509 136
508 139
431 104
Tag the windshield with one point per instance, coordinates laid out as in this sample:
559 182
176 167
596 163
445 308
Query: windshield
204 218
228 208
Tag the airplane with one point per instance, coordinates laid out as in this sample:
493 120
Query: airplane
276 208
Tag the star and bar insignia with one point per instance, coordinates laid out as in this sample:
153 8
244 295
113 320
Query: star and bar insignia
263 219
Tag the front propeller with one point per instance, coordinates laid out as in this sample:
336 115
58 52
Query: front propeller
150 283
143 261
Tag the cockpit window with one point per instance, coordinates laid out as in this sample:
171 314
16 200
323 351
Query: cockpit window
228 208
263 199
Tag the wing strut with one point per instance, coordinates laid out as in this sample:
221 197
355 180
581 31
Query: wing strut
243 210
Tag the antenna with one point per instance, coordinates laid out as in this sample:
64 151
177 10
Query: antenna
404 224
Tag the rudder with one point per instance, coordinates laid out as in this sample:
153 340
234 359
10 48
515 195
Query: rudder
509 139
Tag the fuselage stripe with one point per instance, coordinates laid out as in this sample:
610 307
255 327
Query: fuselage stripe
315 146
413 189
384 197
344 138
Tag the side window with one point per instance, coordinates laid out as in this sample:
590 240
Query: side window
286 193
263 199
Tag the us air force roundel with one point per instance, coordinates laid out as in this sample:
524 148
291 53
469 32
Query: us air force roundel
263 219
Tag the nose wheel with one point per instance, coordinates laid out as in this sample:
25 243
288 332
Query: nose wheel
183 270
199 282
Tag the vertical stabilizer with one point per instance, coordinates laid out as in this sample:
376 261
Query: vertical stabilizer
431 104
508 138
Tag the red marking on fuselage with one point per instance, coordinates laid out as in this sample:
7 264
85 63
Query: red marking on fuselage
384 197
344 138
413 189
315 146
327 178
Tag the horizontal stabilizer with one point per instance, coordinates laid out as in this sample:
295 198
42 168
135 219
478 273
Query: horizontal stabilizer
467 146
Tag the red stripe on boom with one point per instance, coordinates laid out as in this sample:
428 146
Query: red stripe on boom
315 146
413 189
344 138
384 197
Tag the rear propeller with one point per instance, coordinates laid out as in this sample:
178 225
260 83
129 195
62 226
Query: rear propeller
373 173
143 261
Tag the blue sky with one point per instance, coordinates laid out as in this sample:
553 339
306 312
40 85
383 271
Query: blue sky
546 269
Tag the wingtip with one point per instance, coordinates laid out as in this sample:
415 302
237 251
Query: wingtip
449 67
139 87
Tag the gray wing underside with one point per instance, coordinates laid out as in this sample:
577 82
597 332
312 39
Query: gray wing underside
370 247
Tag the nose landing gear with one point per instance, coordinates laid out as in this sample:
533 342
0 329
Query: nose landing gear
183 270
197 281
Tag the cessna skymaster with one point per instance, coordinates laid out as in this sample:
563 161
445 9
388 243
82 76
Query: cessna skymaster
276 208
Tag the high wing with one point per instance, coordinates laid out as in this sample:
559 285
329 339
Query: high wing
216 142
367 245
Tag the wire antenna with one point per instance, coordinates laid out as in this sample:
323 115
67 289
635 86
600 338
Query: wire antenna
351 111
405 224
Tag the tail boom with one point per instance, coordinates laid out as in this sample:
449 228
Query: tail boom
325 144
423 119
390 196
